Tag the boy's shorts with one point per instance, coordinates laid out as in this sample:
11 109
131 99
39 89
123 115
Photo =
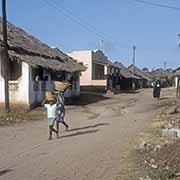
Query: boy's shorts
51 121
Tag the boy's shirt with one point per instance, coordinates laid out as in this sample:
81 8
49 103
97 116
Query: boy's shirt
51 110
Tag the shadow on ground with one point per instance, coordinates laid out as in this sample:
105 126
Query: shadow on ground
5 171
86 98
80 133
164 98
91 126
128 92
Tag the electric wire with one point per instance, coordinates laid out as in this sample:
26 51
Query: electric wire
89 28
158 5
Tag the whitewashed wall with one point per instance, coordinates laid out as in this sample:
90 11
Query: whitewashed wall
28 92
2 95
18 90
176 81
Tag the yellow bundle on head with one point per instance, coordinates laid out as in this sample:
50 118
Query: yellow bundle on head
61 86
50 96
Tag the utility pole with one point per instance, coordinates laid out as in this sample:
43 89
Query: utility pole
165 65
5 58
134 58
102 45
134 55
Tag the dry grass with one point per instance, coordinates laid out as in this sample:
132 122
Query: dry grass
19 114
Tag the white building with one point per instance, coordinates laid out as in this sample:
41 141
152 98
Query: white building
33 68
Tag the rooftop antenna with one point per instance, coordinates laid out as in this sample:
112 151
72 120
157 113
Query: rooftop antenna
102 45
134 55
165 65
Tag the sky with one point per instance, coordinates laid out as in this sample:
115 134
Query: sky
113 26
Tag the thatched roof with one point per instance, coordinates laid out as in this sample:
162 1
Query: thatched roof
128 74
161 73
139 73
120 65
25 47
110 63
125 72
176 72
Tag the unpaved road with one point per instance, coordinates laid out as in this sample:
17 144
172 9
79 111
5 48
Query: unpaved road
92 150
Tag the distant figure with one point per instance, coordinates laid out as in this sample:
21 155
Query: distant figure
157 89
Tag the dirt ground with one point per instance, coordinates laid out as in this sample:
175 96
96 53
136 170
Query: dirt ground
95 148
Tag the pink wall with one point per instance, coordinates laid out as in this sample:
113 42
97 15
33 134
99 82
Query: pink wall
86 58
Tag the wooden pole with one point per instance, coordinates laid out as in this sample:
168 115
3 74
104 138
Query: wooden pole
5 57
178 87
177 90
134 57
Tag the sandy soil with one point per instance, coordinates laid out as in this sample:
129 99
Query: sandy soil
94 148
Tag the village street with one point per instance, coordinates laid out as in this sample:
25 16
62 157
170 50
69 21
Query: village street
100 135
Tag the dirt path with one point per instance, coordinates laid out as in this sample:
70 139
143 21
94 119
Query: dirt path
92 150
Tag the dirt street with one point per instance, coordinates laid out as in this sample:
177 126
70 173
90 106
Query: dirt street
100 134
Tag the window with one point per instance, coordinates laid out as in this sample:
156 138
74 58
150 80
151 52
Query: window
37 74
15 70
98 72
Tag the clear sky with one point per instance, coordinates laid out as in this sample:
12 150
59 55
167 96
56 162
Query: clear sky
82 24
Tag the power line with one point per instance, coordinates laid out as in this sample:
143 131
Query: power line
72 18
158 5
106 36
88 27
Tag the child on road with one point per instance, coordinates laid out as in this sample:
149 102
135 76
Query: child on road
51 115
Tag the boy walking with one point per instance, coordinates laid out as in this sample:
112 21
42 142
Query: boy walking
51 115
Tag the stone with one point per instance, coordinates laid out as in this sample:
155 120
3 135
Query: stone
157 148
152 161
142 146
170 133
154 166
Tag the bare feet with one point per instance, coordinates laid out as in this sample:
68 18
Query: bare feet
57 135
67 128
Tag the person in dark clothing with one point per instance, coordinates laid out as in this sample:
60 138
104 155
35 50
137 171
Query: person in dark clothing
60 111
157 89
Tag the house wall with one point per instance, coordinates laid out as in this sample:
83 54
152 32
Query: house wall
176 82
86 58
2 95
98 72
92 60
36 90
18 89
74 90
28 92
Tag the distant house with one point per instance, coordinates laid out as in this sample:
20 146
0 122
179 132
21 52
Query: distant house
100 74
128 80
165 76
176 75
145 81
33 68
